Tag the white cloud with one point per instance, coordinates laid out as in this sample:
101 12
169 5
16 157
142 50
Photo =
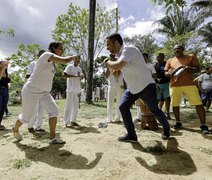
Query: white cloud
143 28
129 19
140 27
35 12
156 13
109 4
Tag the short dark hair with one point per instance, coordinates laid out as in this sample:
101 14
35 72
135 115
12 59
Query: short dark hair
161 54
115 37
54 45
179 46
41 52
145 54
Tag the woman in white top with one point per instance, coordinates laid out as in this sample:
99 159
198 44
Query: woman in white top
38 87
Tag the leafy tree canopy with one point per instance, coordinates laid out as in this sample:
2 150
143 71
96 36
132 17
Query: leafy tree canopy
146 43
24 55
72 30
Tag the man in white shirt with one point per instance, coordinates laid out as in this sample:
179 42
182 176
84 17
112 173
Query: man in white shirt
115 91
73 73
140 85
37 120
105 91
154 75
205 86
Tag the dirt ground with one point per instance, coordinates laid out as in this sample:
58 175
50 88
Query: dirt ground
94 153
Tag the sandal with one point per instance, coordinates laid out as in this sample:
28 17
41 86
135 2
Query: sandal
2 127
102 125
57 141
40 130
17 135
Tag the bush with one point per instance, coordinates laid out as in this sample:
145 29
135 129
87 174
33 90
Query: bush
14 98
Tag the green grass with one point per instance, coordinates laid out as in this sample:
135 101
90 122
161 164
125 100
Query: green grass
206 151
21 163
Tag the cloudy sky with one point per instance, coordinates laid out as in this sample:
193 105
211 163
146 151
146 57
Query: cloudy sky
33 20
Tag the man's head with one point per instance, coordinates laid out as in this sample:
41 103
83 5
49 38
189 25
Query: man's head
209 69
146 56
178 50
77 62
56 48
160 58
114 43
41 52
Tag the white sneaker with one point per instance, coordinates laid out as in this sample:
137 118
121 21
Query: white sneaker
17 135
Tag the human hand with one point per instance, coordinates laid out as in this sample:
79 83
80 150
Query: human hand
105 62
76 58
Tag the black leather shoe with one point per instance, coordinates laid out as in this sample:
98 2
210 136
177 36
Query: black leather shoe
127 138
166 134
178 125
31 130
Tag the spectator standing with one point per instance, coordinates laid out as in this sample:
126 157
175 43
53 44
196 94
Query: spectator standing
73 73
162 81
115 91
183 84
205 86
4 80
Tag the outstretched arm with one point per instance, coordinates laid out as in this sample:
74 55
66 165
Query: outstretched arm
63 60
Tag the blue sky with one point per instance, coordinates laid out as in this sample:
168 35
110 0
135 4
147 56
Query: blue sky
33 20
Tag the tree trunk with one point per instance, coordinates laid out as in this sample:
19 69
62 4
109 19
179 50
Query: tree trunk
89 86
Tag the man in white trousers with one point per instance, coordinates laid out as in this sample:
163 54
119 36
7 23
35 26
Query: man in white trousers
115 92
73 73
37 120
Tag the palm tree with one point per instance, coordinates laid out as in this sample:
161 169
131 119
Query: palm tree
206 32
177 22
200 5
203 9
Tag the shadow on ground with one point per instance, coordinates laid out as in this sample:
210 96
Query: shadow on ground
56 157
169 161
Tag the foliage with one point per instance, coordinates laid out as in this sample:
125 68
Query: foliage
21 163
59 82
72 30
203 8
15 98
205 33
146 43
99 80
10 31
177 22
16 81
24 55
188 40
99 77
169 3
98 64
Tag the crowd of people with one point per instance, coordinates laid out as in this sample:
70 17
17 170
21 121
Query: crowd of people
164 83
